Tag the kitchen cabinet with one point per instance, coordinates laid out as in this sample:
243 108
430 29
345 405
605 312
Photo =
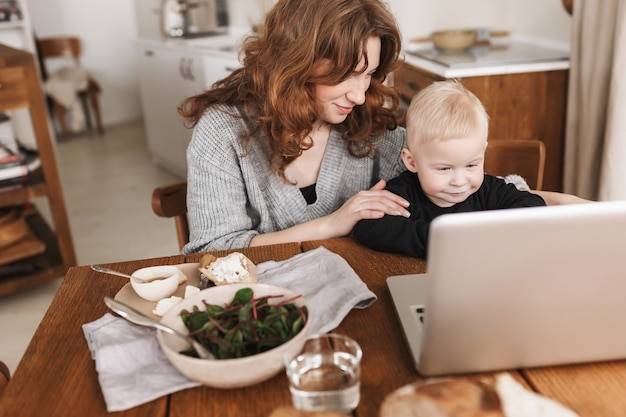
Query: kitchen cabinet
523 102
167 75
166 78
20 89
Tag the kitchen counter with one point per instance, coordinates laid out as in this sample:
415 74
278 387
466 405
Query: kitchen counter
513 54
219 45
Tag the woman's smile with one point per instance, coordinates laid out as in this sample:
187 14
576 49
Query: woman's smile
344 110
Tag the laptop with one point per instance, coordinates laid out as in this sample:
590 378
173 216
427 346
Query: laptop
518 288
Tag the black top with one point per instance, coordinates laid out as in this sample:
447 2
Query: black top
309 193
410 236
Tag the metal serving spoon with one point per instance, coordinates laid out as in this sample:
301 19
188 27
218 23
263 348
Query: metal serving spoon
100 268
141 319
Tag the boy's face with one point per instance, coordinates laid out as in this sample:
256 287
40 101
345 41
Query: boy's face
449 170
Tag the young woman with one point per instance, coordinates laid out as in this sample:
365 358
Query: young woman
293 145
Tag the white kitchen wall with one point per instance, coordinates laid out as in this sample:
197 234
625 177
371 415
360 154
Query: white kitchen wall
109 27
537 18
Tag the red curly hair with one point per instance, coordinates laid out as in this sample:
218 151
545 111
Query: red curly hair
277 81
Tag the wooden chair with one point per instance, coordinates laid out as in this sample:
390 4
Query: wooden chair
70 47
171 201
526 158
5 376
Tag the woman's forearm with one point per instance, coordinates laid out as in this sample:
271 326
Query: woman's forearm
312 230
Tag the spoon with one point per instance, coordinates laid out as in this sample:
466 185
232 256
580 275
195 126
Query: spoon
100 268
141 319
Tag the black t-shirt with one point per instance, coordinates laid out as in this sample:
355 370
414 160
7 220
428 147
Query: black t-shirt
410 236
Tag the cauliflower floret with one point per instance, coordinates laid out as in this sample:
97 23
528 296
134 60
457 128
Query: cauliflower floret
165 304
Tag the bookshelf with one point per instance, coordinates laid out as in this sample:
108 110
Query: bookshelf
17 32
20 89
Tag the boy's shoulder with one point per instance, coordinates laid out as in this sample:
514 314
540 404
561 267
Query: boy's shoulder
404 179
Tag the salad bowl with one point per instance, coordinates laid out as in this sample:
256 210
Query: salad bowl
233 372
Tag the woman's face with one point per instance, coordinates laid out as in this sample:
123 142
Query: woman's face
337 101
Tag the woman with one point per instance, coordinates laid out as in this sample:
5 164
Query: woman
296 144
290 147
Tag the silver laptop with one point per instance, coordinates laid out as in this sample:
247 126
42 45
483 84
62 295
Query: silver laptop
518 288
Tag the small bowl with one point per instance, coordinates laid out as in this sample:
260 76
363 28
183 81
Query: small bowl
156 290
229 373
453 40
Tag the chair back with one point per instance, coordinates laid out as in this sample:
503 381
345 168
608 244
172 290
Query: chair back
54 54
59 47
171 201
526 158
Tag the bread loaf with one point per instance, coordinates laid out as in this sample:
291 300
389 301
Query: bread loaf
289 411
235 268
446 398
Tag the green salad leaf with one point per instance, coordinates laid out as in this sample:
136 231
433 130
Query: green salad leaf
245 326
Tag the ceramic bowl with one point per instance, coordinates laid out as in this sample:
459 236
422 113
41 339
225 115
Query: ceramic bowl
453 40
156 290
229 373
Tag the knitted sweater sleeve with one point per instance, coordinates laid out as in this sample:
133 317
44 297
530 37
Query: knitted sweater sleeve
216 192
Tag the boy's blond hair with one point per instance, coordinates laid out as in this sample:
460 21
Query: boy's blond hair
445 110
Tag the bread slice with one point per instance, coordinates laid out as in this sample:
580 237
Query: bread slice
235 268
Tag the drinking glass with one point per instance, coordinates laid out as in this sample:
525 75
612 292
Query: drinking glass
326 374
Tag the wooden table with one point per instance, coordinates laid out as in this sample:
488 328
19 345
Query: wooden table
57 376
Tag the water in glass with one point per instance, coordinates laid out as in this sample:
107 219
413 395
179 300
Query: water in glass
328 381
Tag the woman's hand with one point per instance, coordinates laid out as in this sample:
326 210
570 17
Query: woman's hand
369 204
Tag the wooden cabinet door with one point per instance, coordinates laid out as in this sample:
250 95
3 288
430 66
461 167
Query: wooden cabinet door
528 106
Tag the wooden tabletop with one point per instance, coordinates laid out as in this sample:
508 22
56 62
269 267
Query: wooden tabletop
57 376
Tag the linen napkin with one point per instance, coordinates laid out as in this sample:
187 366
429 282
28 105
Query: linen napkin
132 368
517 401
325 280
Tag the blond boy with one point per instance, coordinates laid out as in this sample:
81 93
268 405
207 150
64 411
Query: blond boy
447 130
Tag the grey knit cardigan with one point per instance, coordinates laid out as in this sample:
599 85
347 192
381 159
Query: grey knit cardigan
234 195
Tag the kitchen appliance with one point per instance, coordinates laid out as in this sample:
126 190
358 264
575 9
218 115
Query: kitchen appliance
193 18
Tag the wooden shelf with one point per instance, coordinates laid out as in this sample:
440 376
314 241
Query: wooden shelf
20 88
19 24
38 269
35 187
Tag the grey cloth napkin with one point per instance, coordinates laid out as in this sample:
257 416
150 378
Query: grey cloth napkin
132 368
325 280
